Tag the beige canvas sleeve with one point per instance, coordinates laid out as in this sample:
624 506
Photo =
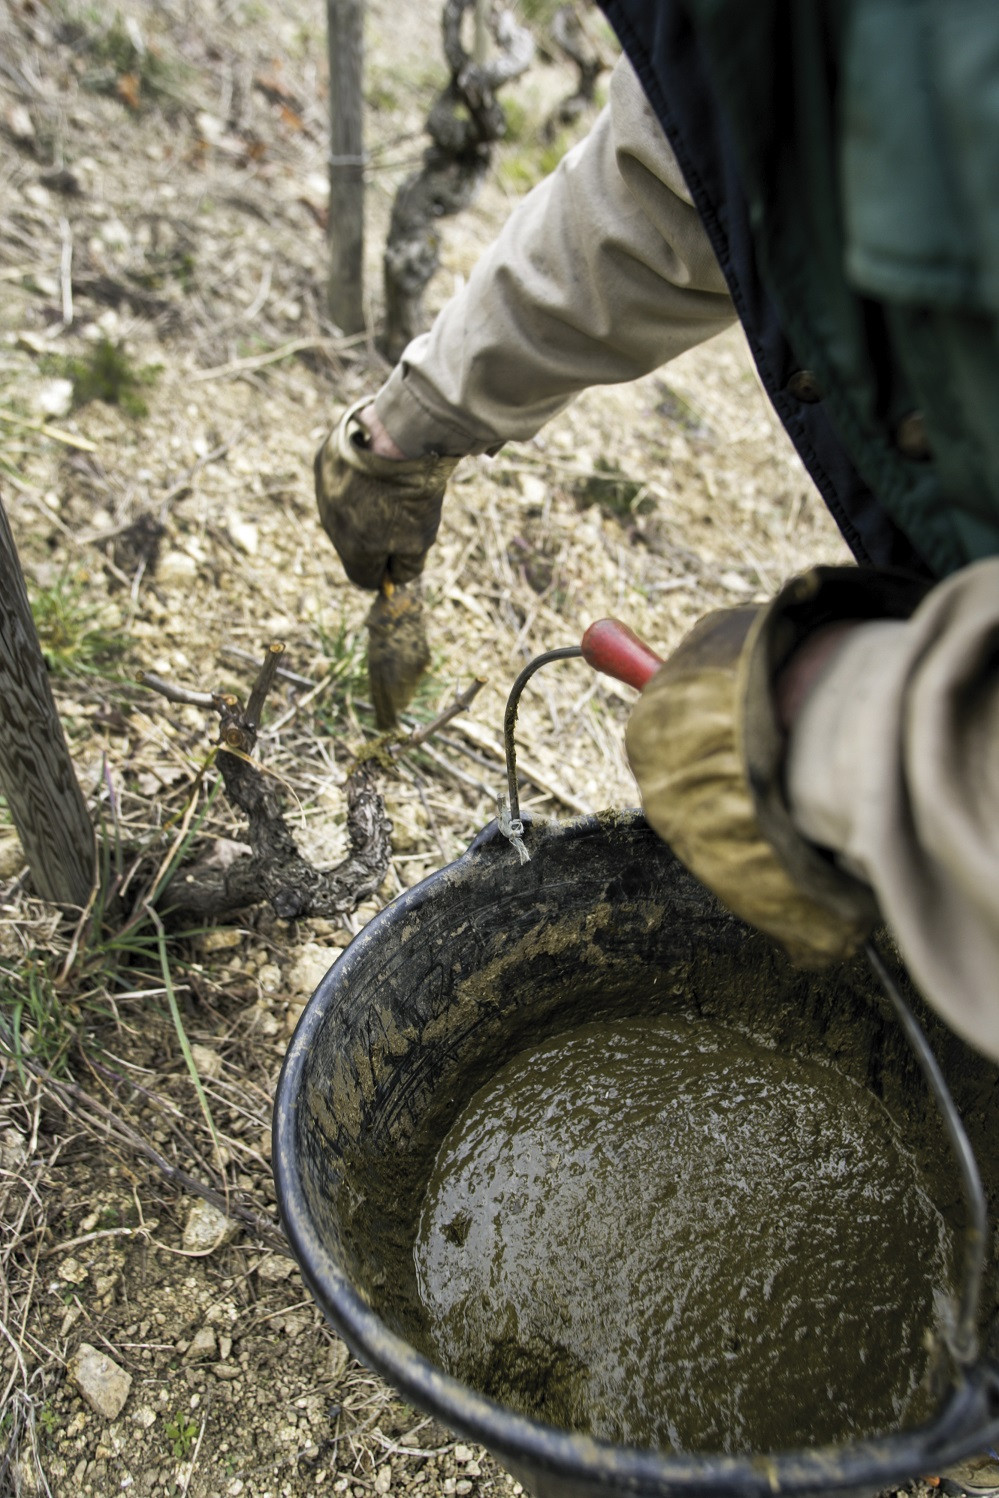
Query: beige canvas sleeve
601 274
893 763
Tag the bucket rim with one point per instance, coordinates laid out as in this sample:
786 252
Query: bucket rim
966 1421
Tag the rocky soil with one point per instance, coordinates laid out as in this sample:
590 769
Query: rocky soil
162 203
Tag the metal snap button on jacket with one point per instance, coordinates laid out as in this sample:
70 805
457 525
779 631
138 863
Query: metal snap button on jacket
912 439
804 387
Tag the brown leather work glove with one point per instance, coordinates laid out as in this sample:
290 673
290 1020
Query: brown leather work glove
381 514
706 747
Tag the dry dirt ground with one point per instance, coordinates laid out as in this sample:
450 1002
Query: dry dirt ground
162 197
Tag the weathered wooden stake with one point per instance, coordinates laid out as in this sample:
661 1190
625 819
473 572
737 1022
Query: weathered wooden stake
36 772
345 288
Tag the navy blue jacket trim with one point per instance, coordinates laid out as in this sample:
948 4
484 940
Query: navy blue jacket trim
662 46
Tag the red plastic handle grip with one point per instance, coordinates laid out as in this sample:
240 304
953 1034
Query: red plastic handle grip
611 647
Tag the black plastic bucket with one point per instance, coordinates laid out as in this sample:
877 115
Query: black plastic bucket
466 970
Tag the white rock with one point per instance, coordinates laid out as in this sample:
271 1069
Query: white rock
19 123
210 127
533 488
274 1268
222 1313
296 1008
13 1149
99 1379
144 1416
735 582
176 567
208 1062
54 398
203 1345
72 1272
39 197
312 963
260 1018
115 236
72 1316
244 534
337 1358
207 1228
270 977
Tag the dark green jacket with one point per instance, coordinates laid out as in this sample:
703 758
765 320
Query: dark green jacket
844 155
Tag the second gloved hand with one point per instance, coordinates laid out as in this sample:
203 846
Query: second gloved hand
706 745
381 514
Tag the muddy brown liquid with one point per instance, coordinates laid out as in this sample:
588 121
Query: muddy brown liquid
668 1235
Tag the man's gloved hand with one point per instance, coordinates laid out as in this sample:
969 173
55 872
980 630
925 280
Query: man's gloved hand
380 513
706 746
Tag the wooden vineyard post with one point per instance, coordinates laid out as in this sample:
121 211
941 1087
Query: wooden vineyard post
345 287
36 772
480 46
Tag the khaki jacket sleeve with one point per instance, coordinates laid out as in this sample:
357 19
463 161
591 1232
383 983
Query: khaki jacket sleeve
601 274
893 765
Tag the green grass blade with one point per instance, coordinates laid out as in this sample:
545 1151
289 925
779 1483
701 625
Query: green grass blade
178 1022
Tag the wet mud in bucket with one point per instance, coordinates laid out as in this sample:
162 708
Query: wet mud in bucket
667 1233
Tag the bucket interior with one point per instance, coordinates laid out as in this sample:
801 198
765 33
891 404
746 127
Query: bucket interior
487 959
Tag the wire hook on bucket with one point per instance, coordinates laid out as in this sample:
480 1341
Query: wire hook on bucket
564 653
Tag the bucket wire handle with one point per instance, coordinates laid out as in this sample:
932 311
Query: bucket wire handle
509 822
963 1339
609 647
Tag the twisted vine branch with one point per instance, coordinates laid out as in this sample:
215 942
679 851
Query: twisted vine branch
465 121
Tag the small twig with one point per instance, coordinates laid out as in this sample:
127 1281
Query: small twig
68 439
74 945
264 682
66 272
462 776
197 1447
60 1248
248 658
460 704
186 696
286 351
165 871
262 294
483 739
296 707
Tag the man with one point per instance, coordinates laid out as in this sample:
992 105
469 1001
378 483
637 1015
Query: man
826 173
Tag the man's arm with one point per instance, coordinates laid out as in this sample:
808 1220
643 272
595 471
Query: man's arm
830 758
601 274
893 764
